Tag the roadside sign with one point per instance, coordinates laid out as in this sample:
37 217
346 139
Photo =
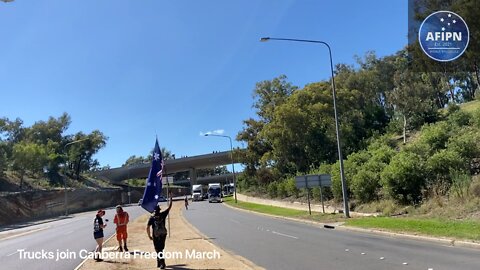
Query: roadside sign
313 180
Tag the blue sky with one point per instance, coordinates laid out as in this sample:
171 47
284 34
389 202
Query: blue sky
133 69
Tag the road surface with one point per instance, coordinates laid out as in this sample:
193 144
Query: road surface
275 243
66 235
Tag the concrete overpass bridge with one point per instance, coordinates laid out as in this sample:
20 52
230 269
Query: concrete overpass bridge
190 164
223 179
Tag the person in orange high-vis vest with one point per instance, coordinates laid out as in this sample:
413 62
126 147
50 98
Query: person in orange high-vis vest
121 220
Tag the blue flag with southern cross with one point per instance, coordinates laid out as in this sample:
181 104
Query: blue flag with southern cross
153 187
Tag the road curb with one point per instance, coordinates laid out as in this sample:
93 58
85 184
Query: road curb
444 241
248 264
86 259
341 226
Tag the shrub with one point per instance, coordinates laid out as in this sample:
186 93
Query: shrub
403 179
291 188
265 176
282 189
382 154
421 149
475 189
440 165
452 108
365 185
272 189
336 180
460 185
436 135
351 166
466 144
245 182
459 118
475 120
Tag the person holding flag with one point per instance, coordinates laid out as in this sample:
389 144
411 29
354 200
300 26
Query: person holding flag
150 198
157 222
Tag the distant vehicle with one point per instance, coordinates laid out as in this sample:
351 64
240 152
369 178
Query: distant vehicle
214 192
228 189
197 193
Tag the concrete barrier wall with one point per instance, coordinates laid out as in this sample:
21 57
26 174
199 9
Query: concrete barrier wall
33 205
40 204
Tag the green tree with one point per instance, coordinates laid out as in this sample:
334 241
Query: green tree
267 96
257 146
411 96
3 157
134 160
80 154
270 94
28 157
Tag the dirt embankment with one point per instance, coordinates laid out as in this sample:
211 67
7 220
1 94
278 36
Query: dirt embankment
40 204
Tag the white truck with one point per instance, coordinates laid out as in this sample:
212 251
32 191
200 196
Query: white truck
214 192
228 189
197 193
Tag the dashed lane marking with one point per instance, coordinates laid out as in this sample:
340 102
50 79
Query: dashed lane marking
286 235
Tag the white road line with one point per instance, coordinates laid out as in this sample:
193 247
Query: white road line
24 233
13 253
67 233
235 221
286 235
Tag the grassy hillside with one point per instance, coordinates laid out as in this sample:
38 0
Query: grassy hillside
470 106
10 182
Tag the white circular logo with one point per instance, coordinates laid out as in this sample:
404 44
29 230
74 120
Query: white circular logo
444 36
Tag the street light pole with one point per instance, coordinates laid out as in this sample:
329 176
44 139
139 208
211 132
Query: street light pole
65 175
233 165
337 130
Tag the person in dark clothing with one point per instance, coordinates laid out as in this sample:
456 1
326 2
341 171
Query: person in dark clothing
157 222
98 226
186 202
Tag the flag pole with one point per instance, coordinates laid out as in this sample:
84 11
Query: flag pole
168 195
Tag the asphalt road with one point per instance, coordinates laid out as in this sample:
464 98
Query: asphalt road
280 244
71 234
